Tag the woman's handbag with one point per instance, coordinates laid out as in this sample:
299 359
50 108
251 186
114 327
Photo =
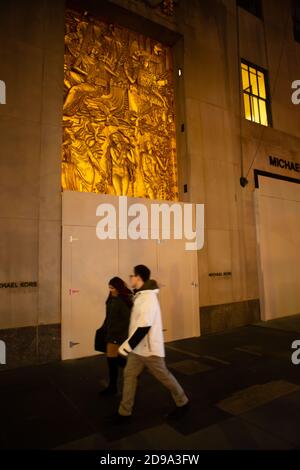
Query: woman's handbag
100 339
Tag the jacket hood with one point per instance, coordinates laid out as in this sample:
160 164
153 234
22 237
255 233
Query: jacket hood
149 285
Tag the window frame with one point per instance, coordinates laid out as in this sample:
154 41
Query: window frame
267 90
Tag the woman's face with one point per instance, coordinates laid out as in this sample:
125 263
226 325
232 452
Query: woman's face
113 291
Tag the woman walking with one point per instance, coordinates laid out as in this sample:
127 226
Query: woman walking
118 308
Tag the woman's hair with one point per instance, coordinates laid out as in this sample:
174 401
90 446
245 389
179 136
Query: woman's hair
122 289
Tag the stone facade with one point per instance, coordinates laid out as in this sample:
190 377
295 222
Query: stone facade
211 146
32 47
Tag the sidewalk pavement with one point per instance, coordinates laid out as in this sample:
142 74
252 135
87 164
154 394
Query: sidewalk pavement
244 393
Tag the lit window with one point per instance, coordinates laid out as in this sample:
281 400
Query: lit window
253 6
256 102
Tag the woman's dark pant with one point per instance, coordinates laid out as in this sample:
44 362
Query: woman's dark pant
114 361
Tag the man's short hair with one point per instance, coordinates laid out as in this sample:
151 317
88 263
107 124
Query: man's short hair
142 271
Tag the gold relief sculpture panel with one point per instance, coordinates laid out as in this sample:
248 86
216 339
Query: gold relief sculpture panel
118 115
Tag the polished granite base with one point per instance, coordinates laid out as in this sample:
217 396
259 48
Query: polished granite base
216 318
31 345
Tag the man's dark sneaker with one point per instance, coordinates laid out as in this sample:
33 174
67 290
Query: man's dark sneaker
179 411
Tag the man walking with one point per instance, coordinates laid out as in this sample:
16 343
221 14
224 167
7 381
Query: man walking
145 346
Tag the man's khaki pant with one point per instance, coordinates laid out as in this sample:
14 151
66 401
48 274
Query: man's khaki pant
157 367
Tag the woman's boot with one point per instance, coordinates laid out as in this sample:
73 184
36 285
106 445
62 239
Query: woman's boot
113 367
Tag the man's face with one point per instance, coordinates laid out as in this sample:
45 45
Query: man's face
134 281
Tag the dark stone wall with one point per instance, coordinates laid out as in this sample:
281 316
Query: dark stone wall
217 318
31 345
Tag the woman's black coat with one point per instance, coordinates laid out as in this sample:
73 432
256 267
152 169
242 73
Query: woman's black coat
117 319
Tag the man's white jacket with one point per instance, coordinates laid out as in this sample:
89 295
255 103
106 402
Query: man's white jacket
145 328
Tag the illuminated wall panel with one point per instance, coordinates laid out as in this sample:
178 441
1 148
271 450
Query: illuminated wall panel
118 119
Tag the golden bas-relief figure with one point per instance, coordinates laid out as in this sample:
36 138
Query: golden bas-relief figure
118 119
